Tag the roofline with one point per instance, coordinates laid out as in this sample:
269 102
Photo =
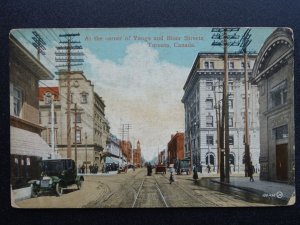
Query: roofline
212 54
31 57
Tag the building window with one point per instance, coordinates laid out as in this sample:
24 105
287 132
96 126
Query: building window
230 122
209 85
209 103
248 64
231 140
78 117
48 98
230 84
78 136
49 118
17 93
50 136
209 139
206 65
230 103
279 94
209 121
281 132
209 65
84 98
230 65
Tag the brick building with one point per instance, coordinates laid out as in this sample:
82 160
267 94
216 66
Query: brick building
176 148
126 148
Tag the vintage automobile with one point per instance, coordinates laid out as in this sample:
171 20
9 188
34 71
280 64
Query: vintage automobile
182 166
56 175
123 169
160 169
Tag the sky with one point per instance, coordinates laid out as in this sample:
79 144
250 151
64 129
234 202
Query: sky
139 73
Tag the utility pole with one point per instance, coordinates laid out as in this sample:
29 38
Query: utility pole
52 126
75 115
245 41
66 55
224 37
124 130
38 44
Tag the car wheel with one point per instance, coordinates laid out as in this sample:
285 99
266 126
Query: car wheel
79 184
59 189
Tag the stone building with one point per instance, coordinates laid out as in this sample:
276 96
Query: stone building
202 99
92 130
26 145
176 148
274 75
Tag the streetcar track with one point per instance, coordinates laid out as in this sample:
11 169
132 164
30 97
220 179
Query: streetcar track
192 196
138 194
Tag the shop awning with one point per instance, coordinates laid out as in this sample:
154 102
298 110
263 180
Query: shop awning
113 160
23 142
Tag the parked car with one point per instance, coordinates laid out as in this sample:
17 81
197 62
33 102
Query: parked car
56 175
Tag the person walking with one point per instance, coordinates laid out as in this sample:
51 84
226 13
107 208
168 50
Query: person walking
195 174
251 171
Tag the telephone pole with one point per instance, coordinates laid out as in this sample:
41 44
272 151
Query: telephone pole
75 119
39 44
225 39
67 55
245 41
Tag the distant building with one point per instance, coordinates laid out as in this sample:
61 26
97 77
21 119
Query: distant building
274 75
202 98
162 159
137 155
176 148
114 151
26 145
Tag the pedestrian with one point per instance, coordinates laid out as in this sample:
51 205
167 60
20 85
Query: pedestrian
208 168
195 174
251 171
91 168
172 174
200 168
82 168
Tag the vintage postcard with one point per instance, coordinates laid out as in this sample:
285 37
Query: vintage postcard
152 117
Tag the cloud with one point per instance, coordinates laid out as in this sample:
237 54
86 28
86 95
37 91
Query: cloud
143 91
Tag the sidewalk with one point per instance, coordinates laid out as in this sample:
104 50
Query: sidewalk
266 189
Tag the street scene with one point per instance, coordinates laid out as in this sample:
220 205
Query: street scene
152 117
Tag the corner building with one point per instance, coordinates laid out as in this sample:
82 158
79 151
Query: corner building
274 75
202 99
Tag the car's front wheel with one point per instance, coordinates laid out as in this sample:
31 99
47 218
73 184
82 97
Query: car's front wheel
59 189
